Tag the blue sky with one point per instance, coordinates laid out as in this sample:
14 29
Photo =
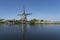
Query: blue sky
40 9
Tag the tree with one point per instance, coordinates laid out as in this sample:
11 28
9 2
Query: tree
18 22
41 20
33 21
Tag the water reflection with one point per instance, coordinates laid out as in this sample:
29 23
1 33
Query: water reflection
30 32
24 31
39 26
42 26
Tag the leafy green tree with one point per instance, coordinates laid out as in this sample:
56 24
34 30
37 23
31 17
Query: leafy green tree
33 21
18 22
1 21
41 20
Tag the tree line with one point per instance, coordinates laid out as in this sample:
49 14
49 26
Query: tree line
32 21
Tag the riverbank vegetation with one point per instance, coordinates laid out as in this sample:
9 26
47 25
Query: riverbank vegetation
32 21
18 22
2 21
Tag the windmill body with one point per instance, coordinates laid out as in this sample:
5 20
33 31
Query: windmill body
24 16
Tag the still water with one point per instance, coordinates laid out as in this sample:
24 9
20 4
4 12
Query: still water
30 32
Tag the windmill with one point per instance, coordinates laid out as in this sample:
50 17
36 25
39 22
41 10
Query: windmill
24 21
24 16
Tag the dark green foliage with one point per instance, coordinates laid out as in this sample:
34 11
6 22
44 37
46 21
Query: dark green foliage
41 20
1 22
18 22
32 21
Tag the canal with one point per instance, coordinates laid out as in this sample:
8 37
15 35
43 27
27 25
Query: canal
30 32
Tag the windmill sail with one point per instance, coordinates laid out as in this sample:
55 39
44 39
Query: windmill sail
24 15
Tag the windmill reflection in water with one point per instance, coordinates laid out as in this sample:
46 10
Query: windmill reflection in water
24 22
